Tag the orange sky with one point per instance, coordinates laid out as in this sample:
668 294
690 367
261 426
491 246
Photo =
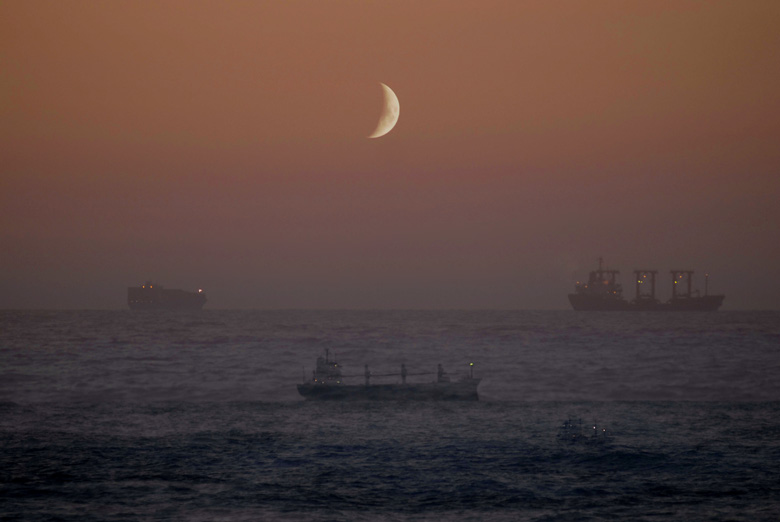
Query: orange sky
223 145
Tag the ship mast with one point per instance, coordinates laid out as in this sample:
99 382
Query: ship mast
677 276
639 277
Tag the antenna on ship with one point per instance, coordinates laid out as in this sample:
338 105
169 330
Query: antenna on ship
706 283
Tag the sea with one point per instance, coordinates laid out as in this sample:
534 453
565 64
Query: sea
124 415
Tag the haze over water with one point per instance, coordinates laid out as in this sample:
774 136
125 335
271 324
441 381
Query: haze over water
223 146
259 356
196 416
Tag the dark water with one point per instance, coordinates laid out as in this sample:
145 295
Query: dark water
119 416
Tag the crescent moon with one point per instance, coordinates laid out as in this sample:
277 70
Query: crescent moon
390 113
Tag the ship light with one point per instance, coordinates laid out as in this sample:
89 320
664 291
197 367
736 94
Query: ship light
200 290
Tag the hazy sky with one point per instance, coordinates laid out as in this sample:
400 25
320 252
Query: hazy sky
222 145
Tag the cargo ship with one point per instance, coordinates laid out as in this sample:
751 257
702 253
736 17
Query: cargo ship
150 296
327 384
571 432
602 292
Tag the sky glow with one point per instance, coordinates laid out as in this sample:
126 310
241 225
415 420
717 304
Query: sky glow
222 147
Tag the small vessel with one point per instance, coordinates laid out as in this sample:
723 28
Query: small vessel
602 292
571 433
150 296
327 384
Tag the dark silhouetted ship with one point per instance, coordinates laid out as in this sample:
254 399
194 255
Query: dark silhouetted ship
327 384
571 432
602 292
150 296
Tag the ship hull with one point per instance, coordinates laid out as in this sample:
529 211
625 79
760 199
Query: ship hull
187 307
706 303
157 298
584 302
448 391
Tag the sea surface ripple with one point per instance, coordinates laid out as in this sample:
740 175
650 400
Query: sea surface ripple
114 415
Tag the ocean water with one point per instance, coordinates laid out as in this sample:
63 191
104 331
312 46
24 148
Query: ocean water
119 415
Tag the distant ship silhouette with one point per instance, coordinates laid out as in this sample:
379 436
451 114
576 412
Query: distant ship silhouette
150 296
603 293
327 384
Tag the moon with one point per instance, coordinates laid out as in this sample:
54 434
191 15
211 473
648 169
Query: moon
390 113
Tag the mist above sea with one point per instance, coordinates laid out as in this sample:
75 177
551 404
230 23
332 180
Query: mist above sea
261 355
117 415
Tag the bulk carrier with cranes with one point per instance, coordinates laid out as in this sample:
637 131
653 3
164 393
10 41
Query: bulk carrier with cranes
602 292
